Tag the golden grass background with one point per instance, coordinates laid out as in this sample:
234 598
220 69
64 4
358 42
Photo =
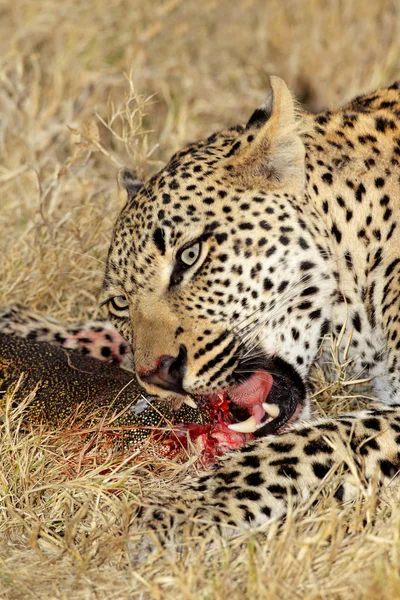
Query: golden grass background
85 87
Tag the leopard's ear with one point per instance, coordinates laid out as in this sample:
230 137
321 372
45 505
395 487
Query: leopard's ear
128 184
270 152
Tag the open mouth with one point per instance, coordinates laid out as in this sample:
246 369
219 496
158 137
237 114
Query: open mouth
265 403
252 396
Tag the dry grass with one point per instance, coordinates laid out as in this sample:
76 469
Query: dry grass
69 116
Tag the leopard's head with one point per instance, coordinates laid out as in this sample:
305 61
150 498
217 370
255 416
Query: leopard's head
214 273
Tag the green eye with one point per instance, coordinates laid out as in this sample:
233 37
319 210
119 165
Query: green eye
118 304
190 255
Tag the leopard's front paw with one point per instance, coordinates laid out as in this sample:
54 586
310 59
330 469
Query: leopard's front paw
171 523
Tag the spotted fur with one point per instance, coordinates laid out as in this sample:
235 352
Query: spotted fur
294 222
349 456
297 220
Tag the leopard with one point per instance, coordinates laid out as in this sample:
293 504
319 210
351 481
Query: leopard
226 271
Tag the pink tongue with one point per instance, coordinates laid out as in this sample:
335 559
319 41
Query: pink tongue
252 393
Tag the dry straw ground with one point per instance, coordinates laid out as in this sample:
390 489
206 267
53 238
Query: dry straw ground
87 86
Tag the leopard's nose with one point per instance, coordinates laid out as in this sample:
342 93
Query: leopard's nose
169 372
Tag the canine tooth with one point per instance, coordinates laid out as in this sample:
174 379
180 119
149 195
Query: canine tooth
190 402
271 409
248 426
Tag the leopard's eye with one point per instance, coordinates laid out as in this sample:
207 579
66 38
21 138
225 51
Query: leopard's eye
118 304
190 255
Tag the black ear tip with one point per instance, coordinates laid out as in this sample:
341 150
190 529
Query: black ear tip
127 180
126 176
258 118
262 114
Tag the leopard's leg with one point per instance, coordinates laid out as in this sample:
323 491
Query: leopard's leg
98 339
383 296
257 484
